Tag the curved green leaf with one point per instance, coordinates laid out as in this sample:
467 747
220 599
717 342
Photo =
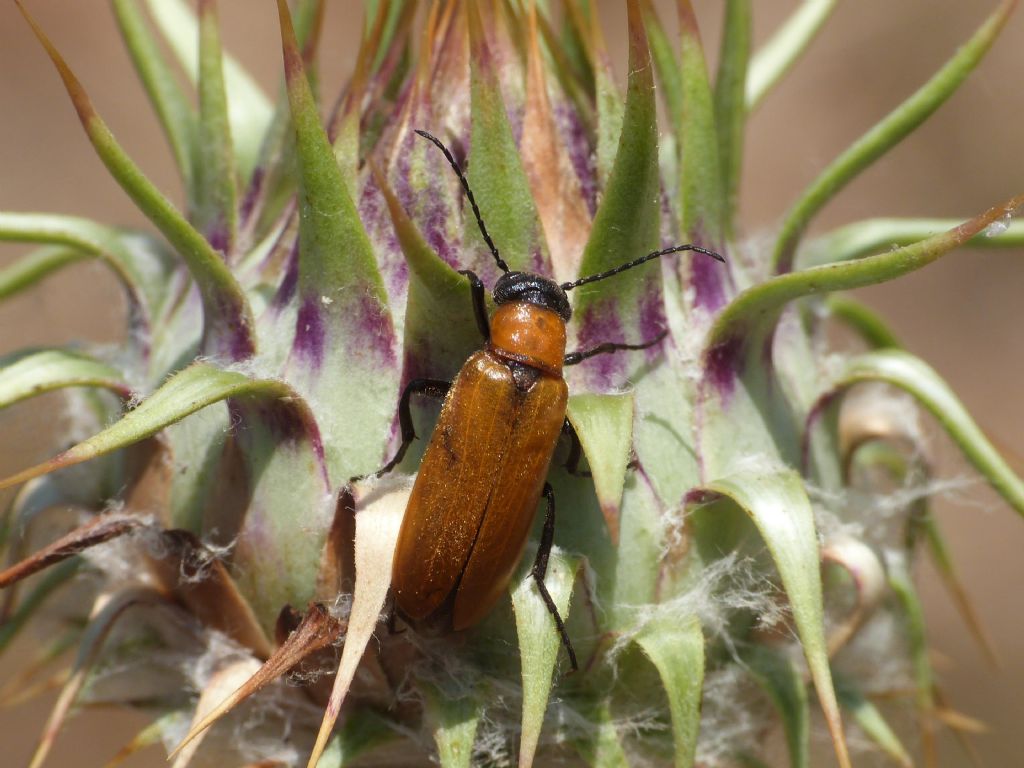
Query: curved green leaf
903 370
870 720
625 226
744 326
604 424
343 355
249 109
777 503
495 169
183 394
730 101
781 680
35 267
539 641
141 265
863 238
677 651
215 211
27 374
868 325
886 134
227 318
176 115
777 55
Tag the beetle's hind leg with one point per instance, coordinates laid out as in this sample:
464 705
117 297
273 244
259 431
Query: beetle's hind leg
540 569
431 387
573 358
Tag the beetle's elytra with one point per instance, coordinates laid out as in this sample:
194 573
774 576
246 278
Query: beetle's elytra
485 467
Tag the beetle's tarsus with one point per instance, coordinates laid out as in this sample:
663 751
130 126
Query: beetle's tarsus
572 461
540 569
574 358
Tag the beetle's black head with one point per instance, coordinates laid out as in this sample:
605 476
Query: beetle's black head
533 289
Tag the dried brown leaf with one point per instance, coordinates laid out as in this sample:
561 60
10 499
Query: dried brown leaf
317 631
194 576
95 531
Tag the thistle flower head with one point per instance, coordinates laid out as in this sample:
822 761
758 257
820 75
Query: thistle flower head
740 541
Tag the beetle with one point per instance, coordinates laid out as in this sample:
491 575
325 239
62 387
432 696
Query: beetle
485 468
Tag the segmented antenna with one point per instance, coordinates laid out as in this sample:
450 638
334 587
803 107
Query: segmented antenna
469 196
637 262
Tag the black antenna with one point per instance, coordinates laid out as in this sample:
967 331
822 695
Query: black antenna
637 262
469 196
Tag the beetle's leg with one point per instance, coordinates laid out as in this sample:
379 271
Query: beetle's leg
392 619
572 462
540 569
432 387
578 357
479 303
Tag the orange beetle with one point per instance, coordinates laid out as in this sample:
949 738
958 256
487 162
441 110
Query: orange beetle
485 468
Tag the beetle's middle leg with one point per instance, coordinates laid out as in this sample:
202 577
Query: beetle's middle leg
476 286
574 358
540 569
431 387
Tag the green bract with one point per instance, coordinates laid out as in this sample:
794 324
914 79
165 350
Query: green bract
732 553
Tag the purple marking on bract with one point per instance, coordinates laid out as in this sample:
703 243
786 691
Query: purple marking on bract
240 345
375 330
309 332
287 423
429 207
696 496
599 325
722 365
581 153
252 193
236 342
667 218
377 222
290 281
218 236
652 314
707 279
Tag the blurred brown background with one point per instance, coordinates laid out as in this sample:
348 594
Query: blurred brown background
962 314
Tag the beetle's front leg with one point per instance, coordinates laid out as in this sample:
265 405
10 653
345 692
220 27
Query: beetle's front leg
479 303
540 569
572 461
433 388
